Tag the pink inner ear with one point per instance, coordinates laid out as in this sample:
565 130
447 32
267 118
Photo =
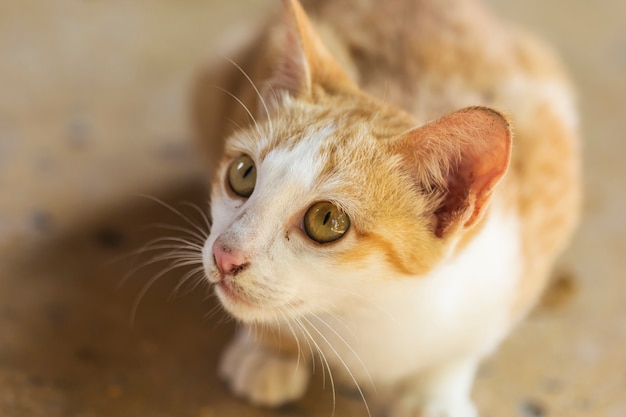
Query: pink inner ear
466 153
293 75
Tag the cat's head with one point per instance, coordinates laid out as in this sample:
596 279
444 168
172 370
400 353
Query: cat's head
334 193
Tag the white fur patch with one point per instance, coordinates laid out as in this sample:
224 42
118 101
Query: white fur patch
459 310
300 164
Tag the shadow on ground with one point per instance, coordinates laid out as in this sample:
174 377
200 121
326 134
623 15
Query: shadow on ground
70 346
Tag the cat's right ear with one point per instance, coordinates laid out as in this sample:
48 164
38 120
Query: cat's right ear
459 158
302 60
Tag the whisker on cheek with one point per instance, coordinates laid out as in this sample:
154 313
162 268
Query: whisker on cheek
177 212
149 284
199 238
197 273
177 254
207 221
323 360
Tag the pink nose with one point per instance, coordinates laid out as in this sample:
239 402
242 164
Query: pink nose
228 262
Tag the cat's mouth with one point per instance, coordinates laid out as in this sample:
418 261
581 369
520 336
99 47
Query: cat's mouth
248 306
229 291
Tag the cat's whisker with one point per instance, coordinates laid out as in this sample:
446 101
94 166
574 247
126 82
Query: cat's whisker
322 358
309 339
149 284
169 239
339 320
163 247
153 260
289 315
276 99
213 311
286 320
150 247
173 210
202 214
277 109
217 308
312 343
237 125
276 329
343 340
184 242
299 326
243 105
172 243
201 280
345 365
271 87
198 280
258 93
189 275
260 330
200 237
226 318
176 254
251 331
370 302
264 330
187 258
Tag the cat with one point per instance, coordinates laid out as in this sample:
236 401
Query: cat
391 183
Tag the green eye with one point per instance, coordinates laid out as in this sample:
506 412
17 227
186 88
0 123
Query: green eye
325 223
242 176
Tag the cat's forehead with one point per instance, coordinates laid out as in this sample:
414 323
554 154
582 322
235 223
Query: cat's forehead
299 155
315 141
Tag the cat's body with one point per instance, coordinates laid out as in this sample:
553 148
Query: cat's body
452 234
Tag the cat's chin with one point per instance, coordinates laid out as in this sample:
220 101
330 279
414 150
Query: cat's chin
238 305
250 311
229 295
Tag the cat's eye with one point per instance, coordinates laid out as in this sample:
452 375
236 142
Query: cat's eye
324 222
242 176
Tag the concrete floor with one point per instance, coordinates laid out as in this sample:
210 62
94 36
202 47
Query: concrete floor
92 113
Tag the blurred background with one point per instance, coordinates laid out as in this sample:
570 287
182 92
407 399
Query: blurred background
93 114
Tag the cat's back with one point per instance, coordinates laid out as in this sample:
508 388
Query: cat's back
431 57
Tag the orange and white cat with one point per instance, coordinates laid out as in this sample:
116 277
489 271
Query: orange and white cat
372 207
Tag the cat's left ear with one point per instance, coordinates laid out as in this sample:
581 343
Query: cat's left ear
461 158
302 60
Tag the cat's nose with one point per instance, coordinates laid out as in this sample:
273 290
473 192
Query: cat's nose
228 261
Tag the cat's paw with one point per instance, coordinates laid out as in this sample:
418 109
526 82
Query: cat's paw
263 377
412 407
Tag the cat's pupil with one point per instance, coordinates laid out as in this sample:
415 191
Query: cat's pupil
248 171
326 218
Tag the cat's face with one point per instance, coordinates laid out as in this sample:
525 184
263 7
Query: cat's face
312 212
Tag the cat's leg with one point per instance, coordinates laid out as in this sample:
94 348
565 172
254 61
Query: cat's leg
443 391
263 369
